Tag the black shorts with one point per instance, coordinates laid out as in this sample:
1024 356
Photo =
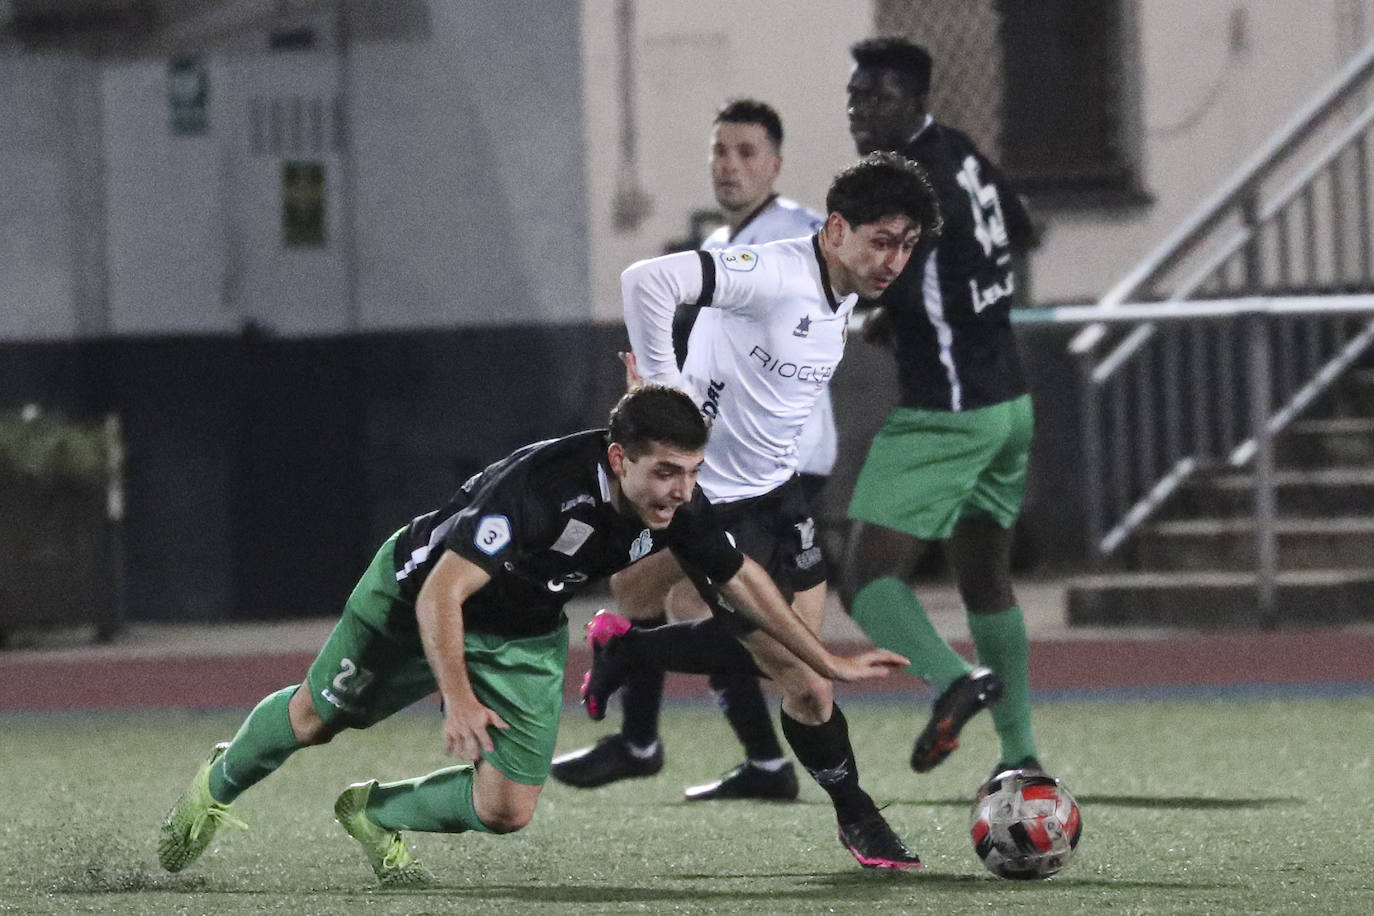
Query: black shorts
778 531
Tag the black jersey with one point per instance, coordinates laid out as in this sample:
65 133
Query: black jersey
950 311
542 524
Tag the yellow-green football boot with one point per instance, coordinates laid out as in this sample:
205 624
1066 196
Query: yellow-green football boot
191 824
386 850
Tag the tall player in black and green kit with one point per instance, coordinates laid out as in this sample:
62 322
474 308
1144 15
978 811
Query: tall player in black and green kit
950 462
468 600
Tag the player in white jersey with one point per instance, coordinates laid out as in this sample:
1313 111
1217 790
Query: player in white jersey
746 156
782 310
781 218
777 337
745 159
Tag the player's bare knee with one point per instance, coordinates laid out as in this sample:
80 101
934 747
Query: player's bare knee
684 603
507 816
808 699
314 734
308 727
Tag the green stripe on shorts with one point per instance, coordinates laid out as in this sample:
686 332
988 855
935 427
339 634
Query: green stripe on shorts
927 469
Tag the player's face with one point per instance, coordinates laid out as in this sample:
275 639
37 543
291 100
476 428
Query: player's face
870 256
657 482
882 112
744 165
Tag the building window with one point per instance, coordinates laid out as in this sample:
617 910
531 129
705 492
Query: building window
1070 126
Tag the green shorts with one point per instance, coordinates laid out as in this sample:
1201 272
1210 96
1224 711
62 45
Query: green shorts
927 469
373 665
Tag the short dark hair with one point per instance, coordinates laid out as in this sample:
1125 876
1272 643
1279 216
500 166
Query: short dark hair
752 111
891 53
884 184
657 413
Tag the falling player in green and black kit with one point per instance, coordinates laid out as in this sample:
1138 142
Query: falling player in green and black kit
950 462
468 600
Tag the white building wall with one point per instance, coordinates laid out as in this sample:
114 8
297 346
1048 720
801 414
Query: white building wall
690 59
465 203
1218 77
37 229
472 194
165 205
487 156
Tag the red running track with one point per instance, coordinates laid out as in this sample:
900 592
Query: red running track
1212 659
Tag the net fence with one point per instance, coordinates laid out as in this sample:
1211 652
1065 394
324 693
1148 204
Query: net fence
963 38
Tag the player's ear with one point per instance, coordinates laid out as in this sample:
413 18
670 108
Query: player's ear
615 454
835 228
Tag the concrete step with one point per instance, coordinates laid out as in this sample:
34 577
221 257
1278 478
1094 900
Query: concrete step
1326 442
1318 492
1351 396
1220 599
1227 544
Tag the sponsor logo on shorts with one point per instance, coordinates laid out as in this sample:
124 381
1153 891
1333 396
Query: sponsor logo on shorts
803 327
808 558
336 701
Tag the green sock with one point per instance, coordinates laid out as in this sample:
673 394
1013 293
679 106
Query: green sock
438 803
894 619
1002 645
262 744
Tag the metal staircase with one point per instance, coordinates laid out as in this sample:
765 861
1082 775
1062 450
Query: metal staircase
1228 407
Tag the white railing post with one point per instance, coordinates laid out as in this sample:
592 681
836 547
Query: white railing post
1260 380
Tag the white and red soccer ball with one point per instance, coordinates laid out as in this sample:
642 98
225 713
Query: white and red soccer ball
1025 825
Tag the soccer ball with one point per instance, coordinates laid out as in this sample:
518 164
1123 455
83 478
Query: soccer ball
1025 825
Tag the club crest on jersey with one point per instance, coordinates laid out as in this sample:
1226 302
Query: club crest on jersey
803 327
642 545
742 260
493 533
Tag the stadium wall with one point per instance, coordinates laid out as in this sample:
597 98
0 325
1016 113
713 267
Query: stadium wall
286 407
263 471
452 186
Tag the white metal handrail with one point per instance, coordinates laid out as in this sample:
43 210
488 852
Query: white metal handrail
1263 319
1214 209
1156 406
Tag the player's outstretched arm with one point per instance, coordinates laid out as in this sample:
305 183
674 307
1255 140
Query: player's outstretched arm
754 593
651 291
439 610
873 663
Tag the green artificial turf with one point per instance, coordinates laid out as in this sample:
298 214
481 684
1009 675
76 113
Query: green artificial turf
1244 805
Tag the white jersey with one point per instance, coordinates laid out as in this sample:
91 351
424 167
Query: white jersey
779 334
779 218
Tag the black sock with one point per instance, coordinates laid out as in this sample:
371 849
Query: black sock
746 709
642 696
828 756
698 647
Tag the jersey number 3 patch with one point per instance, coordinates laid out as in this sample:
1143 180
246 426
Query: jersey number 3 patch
493 533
